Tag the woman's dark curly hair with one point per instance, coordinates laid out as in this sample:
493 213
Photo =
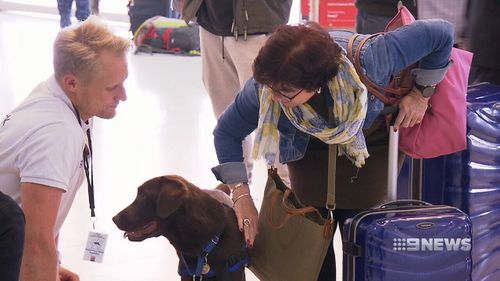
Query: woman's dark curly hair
297 57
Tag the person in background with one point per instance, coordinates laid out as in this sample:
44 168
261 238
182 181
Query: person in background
374 15
453 11
94 7
11 238
42 140
231 35
483 41
64 6
300 76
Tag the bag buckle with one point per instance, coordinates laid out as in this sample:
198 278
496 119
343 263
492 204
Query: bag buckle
329 223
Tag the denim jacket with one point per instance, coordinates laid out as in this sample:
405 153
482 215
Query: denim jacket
427 41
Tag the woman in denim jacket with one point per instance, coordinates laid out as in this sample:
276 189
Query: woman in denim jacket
300 75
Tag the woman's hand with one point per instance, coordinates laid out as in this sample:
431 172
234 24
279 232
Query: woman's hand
66 275
246 213
411 109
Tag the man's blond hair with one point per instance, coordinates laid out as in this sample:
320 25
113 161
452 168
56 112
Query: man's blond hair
77 48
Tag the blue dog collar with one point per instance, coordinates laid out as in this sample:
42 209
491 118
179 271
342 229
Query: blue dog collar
201 262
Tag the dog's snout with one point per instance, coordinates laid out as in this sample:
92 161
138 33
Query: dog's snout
116 220
120 220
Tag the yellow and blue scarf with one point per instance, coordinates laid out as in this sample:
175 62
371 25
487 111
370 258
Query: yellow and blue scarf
349 110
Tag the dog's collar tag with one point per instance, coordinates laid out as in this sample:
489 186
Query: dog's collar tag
94 249
205 269
202 267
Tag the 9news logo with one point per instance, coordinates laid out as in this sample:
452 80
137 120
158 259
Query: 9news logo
431 244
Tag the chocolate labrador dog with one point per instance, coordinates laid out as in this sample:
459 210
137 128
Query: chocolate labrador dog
200 224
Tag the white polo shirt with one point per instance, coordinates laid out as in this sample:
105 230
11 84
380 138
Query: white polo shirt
42 142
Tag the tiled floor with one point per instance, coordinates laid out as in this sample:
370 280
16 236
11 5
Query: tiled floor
163 128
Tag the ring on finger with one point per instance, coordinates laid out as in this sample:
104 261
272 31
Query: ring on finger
246 222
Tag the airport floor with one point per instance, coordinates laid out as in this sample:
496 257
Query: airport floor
164 127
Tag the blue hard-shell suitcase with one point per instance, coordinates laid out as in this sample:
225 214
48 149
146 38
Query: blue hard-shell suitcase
470 180
407 240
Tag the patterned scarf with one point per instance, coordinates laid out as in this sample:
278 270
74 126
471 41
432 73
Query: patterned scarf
349 110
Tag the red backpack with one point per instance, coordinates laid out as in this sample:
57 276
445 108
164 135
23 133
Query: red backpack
165 35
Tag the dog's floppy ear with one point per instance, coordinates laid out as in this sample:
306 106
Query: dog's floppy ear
173 193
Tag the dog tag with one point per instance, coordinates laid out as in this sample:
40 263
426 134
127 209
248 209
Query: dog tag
94 250
205 269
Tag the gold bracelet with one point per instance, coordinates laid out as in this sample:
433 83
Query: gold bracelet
241 196
238 186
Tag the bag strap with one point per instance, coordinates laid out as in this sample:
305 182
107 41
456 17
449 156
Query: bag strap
398 90
330 195
295 210
332 175
290 211
354 57
332 170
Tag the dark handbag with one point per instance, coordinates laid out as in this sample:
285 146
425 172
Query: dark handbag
293 239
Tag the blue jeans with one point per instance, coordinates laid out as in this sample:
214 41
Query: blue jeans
64 7
11 238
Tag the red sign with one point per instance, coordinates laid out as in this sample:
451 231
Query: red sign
305 7
337 13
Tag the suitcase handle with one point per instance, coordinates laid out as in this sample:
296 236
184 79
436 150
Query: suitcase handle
400 203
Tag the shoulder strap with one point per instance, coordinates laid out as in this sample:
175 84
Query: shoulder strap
354 57
350 47
332 170
398 88
332 176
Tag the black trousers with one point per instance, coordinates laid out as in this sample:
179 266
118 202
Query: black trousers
484 74
328 270
11 238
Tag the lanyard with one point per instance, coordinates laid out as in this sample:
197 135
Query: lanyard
88 166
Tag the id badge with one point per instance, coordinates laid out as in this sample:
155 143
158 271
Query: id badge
96 243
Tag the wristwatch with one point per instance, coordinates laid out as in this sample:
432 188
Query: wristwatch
427 91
